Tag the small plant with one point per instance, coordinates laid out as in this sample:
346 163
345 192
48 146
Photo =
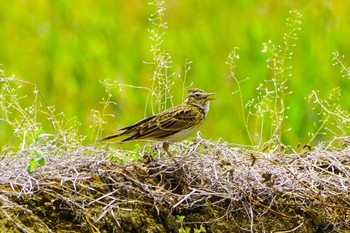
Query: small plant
159 92
98 117
161 79
338 60
25 112
266 112
232 58
21 113
35 163
333 118
180 219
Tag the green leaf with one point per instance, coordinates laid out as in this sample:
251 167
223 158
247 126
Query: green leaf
33 164
180 218
200 230
41 161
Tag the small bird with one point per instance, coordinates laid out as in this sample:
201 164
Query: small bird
172 125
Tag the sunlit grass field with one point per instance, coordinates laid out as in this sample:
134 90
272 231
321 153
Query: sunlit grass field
67 48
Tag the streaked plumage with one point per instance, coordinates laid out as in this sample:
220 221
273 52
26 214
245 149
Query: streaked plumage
172 125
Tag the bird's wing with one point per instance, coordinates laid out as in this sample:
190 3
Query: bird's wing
166 123
127 131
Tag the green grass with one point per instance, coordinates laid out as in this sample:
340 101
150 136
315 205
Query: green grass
66 48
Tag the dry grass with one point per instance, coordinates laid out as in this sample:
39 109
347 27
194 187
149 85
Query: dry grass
213 184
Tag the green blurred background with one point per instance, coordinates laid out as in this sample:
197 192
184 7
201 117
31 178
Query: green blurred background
66 47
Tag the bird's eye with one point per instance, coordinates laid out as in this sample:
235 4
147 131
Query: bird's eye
197 95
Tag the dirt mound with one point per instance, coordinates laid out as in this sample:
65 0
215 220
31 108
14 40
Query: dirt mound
211 187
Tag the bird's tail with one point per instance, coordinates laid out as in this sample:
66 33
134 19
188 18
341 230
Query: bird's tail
109 137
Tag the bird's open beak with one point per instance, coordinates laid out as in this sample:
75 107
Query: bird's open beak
208 96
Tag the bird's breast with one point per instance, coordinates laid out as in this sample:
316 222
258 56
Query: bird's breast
183 134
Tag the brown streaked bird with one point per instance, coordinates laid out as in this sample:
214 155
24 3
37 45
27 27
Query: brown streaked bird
172 125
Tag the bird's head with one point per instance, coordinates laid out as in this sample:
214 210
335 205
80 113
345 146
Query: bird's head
199 98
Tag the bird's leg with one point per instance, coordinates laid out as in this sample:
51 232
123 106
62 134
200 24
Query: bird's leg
166 148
